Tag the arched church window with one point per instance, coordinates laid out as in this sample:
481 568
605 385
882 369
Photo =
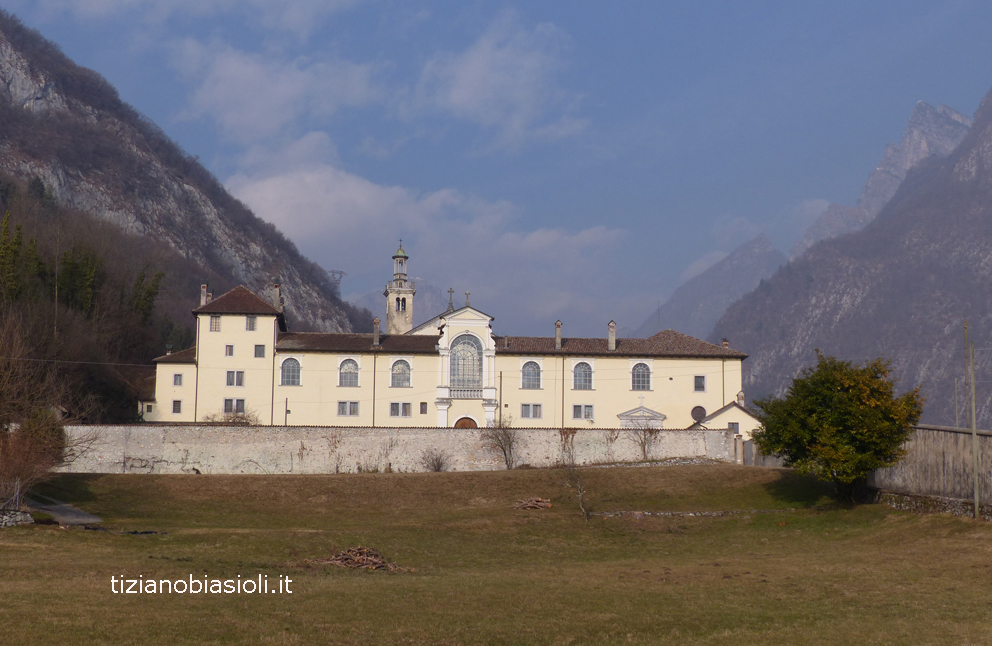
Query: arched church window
348 374
290 372
466 362
397 305
400 375
531 377
402 304
640 377
582 376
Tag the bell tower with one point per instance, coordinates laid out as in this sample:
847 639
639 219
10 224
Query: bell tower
399 296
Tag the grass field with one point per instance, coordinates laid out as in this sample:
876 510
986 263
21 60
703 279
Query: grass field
488 574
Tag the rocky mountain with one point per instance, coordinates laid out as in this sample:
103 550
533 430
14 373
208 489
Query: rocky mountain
930 132
901 288
696 306
67 126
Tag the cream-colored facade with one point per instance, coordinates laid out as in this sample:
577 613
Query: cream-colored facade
450 371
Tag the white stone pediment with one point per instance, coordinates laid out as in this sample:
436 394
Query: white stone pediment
641 417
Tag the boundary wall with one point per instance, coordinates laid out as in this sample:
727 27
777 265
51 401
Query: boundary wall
938 462
161 448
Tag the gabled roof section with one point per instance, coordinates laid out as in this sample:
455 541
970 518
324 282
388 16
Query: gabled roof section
239 300
447 314
183 356
667 343
720 412
642 412
332 342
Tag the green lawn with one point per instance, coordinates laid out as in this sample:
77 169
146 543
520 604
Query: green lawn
488 574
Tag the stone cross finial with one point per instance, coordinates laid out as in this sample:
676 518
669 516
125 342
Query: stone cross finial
451 296
642 400
466 298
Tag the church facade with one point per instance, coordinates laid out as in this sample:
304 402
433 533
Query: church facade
452 370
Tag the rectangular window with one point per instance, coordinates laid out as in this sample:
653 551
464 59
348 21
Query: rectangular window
700 383
577 411
177 406
250 322
734 427
582 412
177 380
260 351
236 406
228 350
148 408
400 409
215 324
235 378
587 410
348 409
531 411
423 408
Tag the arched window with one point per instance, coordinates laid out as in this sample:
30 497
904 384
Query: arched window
348 374
582 376
640 377
466 362
402 304
531 377
401 375
397 304
290 372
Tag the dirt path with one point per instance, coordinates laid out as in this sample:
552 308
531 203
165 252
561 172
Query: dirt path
63 513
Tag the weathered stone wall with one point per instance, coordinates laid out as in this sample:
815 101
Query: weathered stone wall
14 518
938 462
153 448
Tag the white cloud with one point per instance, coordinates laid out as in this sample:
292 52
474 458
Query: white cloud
295 16
343 221
252 96
701 264
505 81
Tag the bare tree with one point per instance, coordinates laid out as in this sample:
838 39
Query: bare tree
643 436
503 439
436 460
573 479
33 440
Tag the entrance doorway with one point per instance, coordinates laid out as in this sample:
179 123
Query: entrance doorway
466 422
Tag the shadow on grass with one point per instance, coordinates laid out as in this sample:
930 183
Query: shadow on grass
70 487
800 490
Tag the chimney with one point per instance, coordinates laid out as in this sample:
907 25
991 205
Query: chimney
612 343
203 294
277 296
725 343
210 296
168 349
375 332
740 398
558 335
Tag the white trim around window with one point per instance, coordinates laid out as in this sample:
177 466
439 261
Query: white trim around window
392 362
357 358
592 373
299 361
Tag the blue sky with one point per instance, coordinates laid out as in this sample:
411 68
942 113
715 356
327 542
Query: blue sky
558 160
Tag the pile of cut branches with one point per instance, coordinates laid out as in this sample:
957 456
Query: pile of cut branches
360 558
533 503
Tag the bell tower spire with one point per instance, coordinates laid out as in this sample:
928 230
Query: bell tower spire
399 296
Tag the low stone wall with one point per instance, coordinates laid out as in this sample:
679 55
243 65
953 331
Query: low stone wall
14 518
160 448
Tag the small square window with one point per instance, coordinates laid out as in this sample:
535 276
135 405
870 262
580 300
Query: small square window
235 377
148 408
215 324
700 383
259 351
348 409
228 350
524 410
406 410
423 408
236 406
177 380
400 409
734 427
577 411
177 406
250 322
228 406
582 412
535 411
394 410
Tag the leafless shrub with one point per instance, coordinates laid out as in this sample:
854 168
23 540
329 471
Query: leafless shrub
567 461
247 418
436 460
502 439
644 437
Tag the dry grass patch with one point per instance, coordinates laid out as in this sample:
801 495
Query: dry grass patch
488 574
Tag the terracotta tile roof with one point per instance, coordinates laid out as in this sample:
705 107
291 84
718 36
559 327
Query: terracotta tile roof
183 356
239 300
325 342
667 343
